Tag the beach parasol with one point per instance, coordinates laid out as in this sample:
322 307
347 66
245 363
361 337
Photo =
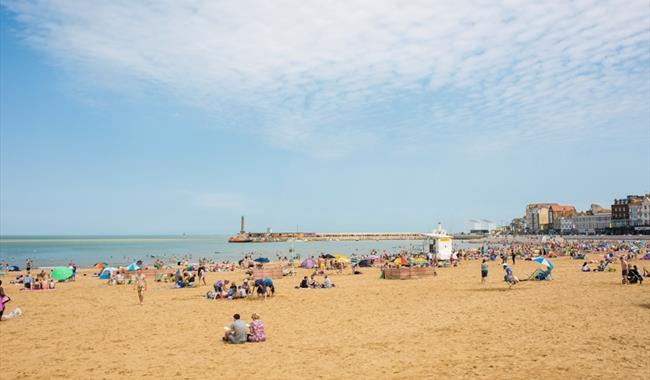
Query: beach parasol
342 259
543 261
262 260
101 265
329 256
340 256
61 273
133 266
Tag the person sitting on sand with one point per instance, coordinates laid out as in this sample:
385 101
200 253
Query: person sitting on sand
245 286
304 284
256 330
327 283
232 291
27 282
52 284
237 332
585 267
313 283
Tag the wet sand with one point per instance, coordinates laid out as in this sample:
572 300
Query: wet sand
580 325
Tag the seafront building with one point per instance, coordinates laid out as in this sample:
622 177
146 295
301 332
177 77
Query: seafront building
627 212
629 215
546 217
596 220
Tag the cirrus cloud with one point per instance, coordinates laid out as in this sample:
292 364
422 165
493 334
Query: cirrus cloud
329 77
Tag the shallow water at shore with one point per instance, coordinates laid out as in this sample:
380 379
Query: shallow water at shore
120 250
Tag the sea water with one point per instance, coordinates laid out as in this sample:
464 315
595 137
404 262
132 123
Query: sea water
85 251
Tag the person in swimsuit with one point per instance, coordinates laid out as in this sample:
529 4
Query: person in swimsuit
201 272
624 268
140 285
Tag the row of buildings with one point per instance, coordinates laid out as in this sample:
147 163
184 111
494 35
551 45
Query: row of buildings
627 215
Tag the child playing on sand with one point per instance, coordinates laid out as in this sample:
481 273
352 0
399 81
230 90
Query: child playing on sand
140 285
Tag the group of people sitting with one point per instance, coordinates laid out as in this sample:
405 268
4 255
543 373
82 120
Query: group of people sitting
180 279
312 283
42 281
241 332
224 289
603 266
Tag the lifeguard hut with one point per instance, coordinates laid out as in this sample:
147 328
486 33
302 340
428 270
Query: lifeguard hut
439 243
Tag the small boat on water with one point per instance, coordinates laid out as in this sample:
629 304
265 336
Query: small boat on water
240 238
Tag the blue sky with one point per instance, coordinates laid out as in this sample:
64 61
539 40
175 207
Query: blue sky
127 117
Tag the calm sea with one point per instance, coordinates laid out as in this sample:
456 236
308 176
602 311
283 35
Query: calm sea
120 250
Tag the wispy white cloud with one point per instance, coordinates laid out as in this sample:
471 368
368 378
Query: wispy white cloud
324 77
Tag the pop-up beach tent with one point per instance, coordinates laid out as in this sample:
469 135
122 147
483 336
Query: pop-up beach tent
308 264
106 273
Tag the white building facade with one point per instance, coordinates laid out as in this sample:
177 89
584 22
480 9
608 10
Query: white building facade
586 224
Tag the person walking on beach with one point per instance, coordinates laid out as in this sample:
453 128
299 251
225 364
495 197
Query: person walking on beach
509 277
484 271
513 254
3 300
140 285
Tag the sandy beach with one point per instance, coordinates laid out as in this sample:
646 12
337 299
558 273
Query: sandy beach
580 325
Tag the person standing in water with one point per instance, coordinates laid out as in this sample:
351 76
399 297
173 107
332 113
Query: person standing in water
484 271
140 285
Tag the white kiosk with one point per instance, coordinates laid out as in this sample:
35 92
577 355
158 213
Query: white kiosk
440 244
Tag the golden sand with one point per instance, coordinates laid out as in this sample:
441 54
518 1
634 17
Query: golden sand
580 325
